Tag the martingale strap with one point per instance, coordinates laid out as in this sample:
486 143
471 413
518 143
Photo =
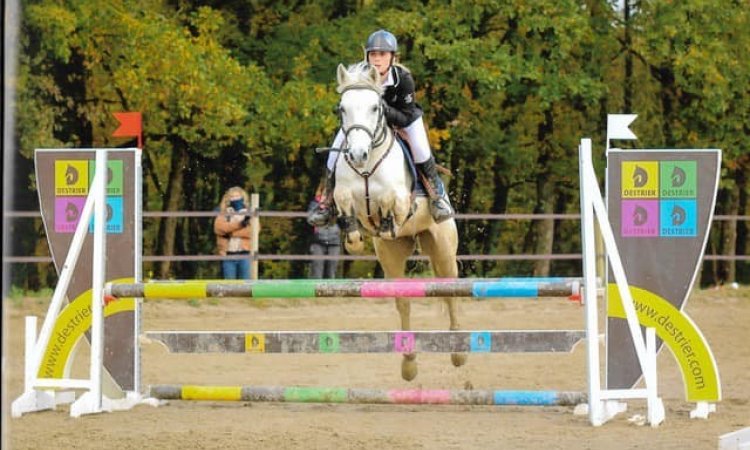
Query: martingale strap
366 176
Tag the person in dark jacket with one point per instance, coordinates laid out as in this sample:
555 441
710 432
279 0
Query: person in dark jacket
326 240
403 113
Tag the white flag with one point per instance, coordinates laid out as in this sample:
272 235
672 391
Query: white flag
617 126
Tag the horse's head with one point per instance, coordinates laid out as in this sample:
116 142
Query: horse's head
360 110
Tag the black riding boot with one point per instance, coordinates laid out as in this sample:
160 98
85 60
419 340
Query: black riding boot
440 206
323 213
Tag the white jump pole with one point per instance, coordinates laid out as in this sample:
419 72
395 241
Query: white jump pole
91 401
603 404
589 280
33 398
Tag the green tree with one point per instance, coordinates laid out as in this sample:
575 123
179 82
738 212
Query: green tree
241 93
694 53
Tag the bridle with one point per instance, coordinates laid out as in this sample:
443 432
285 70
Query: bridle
378 137
380 134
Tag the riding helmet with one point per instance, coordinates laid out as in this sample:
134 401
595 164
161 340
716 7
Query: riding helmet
383 41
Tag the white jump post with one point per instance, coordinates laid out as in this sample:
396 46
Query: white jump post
41 393
603 403
91 402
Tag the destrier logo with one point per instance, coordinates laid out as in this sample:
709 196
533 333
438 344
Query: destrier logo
71 212
678 177
679 183
69 179
640 216
640 177
71 175
640 180
678 216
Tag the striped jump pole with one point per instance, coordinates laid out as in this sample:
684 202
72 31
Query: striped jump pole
408 288
370 396
525 341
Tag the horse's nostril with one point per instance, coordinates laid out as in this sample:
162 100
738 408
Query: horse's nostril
364 155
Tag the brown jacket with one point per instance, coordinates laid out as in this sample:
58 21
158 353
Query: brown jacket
230 234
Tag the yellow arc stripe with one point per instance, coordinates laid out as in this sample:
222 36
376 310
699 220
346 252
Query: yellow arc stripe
685 340
74 320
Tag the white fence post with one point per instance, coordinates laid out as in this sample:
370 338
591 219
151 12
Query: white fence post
254 233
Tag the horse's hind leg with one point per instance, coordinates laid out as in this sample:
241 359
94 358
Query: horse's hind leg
441 245
392 255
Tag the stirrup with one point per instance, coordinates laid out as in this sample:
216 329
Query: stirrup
440 210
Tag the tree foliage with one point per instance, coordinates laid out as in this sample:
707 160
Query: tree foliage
240 93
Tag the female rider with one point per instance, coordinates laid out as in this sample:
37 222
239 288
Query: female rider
401 111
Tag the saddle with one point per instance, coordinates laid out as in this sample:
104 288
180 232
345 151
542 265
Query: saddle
417 186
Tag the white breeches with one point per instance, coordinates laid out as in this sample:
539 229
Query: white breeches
417 137
415 134
337 142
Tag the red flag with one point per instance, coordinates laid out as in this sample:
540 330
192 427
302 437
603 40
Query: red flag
130 125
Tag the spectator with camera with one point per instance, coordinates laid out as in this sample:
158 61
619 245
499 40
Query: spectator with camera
232 229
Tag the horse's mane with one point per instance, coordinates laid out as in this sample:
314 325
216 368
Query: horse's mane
359 75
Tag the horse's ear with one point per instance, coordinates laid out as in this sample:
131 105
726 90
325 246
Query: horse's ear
372 74
342 76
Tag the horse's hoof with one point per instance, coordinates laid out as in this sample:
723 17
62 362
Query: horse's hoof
355 245
409 367
459 359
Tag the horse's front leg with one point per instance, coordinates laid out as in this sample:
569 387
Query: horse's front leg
401 207
386 202
394 210
409 363
392 255
353 241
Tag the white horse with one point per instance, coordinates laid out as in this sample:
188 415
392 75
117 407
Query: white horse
374 191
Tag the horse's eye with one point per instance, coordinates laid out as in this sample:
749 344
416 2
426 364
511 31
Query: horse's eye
374 109
338 109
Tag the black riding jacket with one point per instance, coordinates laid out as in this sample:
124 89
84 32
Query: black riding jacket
402 107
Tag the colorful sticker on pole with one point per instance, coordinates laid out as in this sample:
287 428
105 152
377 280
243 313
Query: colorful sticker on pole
328 342
481 341
255 343
404 342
